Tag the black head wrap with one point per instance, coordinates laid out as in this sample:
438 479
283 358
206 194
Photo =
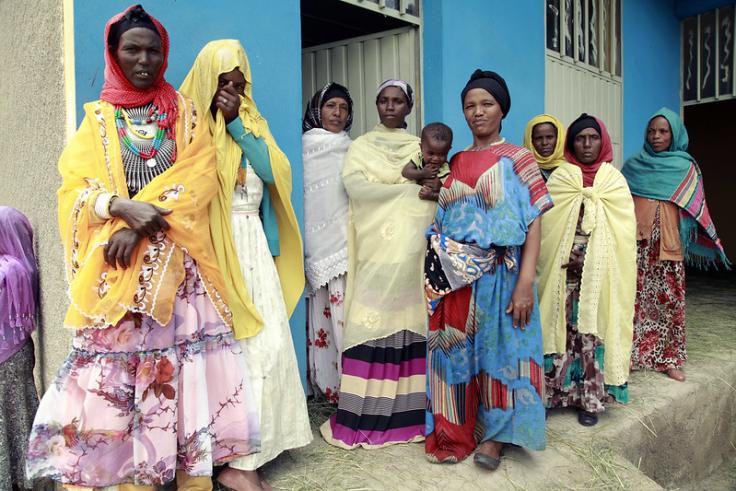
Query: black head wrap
313 114
335 90
584 121
491 82
135 17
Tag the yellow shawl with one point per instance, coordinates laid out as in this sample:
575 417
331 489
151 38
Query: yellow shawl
557 157
608 284
386 242
91 164
218 57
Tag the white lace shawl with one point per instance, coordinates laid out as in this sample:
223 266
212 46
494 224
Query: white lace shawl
325 206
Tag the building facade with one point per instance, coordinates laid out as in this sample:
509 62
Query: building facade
619 59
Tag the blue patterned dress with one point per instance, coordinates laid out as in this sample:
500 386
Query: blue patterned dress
485 378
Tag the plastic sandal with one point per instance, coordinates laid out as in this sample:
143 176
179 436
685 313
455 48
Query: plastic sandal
586 418
486 461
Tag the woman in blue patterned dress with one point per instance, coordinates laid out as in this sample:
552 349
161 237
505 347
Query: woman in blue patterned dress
484 365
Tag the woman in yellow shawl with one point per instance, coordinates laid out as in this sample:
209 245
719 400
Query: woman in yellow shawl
386 318
258 246
155 384
544 136
587 276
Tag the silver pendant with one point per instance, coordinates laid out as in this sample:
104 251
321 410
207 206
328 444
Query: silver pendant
151 162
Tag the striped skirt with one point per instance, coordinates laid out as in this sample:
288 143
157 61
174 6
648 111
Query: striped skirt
382 394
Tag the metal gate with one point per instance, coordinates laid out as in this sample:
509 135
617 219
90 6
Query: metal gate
361 64
571 90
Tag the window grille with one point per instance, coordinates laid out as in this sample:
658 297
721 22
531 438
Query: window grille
707 50
585 33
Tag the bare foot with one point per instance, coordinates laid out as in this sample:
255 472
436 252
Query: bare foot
264 485
240 480
490 448
676 374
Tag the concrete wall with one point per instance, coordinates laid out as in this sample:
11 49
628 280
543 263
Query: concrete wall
32 137
272 38
651 69
506 37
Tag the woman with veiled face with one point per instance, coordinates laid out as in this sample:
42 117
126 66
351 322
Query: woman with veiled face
325 142
259 250
385 315
18 318
587 301
480 271
139 400
673 228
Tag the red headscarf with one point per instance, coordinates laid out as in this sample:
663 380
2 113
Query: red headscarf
605 155
119 91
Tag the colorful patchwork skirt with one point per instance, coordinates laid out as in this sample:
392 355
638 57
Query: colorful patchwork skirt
484 376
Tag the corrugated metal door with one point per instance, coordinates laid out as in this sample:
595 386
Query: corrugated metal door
574 89
361 64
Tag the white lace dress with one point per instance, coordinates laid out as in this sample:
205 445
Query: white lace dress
270 353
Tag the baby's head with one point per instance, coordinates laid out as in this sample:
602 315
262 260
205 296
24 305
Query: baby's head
436 143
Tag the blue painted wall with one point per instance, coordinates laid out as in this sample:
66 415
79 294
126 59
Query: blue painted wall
506 37
651 56
275 59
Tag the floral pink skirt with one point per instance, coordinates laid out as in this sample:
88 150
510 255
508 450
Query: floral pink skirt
134 402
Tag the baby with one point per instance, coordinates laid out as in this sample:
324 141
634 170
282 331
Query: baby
430 164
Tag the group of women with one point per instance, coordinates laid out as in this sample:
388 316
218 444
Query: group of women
548 274
184 262
604 248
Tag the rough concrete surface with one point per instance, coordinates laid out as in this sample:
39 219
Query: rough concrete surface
32 111
671 436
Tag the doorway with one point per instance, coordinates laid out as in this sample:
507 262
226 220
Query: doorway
711 127
360 46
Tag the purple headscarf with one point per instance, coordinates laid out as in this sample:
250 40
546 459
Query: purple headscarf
18 282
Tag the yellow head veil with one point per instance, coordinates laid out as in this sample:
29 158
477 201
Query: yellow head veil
557 158
200 84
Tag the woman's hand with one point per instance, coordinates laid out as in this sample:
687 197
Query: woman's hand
521 305
227 101
428 194
120 248
143 218
433 184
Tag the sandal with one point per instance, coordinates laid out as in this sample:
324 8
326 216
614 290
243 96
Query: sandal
586 418
486 461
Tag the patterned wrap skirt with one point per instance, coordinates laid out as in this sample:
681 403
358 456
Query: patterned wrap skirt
135 402
325 324
659 316
575 378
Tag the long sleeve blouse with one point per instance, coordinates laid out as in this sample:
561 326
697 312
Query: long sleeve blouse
255 152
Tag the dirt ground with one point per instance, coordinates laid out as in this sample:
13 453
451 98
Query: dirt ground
672 435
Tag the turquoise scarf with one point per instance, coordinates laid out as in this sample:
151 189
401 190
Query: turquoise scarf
672 175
